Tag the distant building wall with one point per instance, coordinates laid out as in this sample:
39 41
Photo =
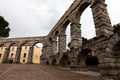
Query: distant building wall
23 55
2 50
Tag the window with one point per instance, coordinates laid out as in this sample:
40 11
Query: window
23 61
24 55
0 55
11 56
25 47
36 56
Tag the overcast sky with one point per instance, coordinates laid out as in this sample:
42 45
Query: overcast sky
37 17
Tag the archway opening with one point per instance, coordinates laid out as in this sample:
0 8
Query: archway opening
64 61
68 36
57 45
89 58
53 62
37 53
56 39
87 24
92 62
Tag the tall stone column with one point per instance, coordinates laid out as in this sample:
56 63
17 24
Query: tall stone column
82 65
5 57
54 47
61 46
62 43
30 55
101 19
76 40
75 44
17 56
54 50
48 53
43 57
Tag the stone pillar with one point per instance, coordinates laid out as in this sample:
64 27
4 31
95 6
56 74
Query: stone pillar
62 43
110 66
54 50
61 46
82 66
76 43
76 40
17 56
48 53
54 47
30 55
5 57
43 57
74 59
101 19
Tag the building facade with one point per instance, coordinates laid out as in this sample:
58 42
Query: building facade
23 55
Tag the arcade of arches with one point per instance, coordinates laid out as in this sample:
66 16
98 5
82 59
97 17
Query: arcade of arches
104 46
23 58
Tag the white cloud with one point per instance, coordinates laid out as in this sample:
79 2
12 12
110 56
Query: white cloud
38 17
113 10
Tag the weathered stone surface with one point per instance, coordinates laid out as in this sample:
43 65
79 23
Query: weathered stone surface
110 46
109 60
108 50
116 37
76 39
100 16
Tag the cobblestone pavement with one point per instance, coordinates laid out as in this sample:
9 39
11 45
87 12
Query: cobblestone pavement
39 72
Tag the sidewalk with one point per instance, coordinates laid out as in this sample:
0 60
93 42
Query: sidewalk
91 73
88 73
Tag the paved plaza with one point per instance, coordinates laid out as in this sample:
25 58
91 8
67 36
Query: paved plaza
40 72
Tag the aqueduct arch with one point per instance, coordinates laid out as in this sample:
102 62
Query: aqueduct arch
19 43
72 16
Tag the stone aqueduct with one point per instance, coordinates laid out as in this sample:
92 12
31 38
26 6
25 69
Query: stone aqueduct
105 44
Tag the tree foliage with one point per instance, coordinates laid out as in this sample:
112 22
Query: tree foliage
69 45
4 29
84 39
116 27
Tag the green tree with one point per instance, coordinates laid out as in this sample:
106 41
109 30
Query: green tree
116 27
69 45
4 29
84 40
